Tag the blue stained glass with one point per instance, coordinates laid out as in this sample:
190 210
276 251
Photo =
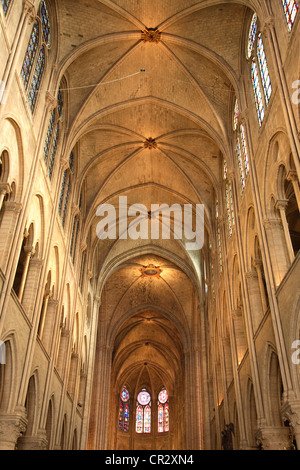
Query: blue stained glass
66 200
291 8
264 71
45 22
5 5
49 137
62 192
36 80
257 93
30 54
60 102
53 152
71 161
252 35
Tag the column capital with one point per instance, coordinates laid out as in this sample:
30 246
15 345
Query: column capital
268 25
11 428
281 204
5 188
292 175
51 101
29 10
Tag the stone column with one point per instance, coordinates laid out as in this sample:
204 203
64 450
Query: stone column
254 298
4 189
273 438
31 287
293 177
277 249
43 313
62 351
259 269
291 412
8 224
281 205
11 428
33 443
29 252
49 323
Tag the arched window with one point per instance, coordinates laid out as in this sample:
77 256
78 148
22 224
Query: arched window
236 115
252 35
65 190
74 238
228 200
291 8
5 5
34 63
124 410
257 93
219 239
163 411
264 71
260 76
241 148
53 134
143 413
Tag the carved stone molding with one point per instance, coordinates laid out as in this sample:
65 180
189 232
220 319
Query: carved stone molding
150 144
151 35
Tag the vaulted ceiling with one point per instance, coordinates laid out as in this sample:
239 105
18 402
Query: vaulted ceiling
138 69
151 89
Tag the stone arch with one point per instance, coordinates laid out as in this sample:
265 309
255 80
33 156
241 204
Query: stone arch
8 373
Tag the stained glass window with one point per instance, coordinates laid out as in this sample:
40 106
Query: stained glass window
257 93
264 70
62 192
52 139
30 54
163 411
124 410
236 115
219 249
33 63
143 413
74 238
36 80
252 35
225 170
291 8
245 150
240 163
229 206
5 5
45 23
53 151
60 102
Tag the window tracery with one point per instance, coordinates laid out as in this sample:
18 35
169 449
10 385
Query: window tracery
34 62
53 134
124 410
143 413
163 411
260 76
